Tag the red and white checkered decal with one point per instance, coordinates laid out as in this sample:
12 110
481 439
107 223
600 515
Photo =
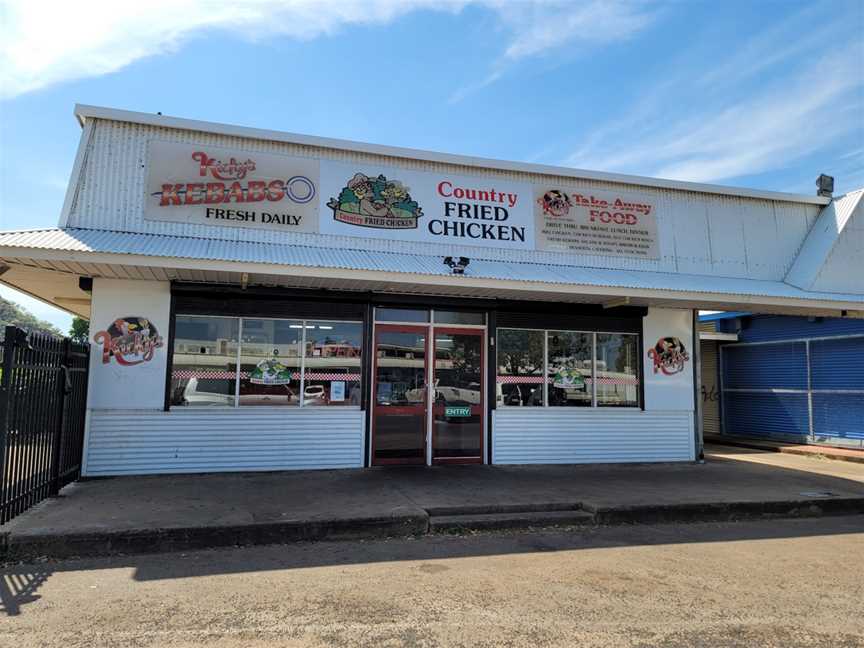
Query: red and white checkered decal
535 380
522 380
207 374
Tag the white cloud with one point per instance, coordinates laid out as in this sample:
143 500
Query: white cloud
728 122
51 42
542 27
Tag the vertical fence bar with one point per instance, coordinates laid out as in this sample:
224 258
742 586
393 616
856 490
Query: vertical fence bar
63 377
5 378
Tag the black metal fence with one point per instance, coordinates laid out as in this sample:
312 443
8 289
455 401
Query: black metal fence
43 399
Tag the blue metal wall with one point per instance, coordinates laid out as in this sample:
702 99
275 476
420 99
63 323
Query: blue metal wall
756 376
761 328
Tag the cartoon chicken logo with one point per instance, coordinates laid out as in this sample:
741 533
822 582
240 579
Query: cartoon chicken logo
555 203
129 340
375 202
669 356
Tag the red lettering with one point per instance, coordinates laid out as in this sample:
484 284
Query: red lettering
275 191
215 193
193 196
235 193
255 192
170 195
441 186
203 161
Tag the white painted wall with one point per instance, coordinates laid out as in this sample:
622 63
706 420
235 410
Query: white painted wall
141 386
573 435
187 440
668 392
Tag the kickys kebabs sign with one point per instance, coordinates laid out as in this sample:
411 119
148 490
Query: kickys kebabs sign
406 205
206 185
595 223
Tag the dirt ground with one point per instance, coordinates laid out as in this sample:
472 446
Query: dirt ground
771 583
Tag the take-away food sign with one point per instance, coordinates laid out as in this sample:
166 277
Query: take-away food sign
215 187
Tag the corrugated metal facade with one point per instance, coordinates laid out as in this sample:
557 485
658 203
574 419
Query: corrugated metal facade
528 435
710 388
795 379
701 234
136 442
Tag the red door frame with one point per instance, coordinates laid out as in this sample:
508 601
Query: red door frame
479 409
401 328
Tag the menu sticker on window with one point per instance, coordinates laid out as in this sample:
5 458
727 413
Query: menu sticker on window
337 391
595 223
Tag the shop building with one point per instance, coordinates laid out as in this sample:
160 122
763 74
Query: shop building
261 300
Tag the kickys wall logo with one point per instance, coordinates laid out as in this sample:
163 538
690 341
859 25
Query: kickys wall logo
669 356
129 340
376 202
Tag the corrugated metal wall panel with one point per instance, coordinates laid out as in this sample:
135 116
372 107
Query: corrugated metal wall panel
838 364
838 416
710 388
134 442
768 366
527 435
765 328
111 190
765 415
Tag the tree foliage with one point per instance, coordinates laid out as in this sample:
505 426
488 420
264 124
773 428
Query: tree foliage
80 330
14 315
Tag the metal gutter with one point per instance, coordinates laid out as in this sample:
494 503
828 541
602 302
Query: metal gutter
84 112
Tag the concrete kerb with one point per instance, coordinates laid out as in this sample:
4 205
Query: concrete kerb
27 546
406 522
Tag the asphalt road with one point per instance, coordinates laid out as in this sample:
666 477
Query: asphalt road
773 583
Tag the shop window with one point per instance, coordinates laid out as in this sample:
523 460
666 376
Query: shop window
270 362
569 368
556 368
204 369
520 374
332 363
458 317
401 315
617 370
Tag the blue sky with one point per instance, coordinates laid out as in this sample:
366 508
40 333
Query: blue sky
756 94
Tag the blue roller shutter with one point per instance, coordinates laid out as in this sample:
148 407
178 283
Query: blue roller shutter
751 406
837 365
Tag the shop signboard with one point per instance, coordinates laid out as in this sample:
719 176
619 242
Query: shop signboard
406 205
595 222
206 185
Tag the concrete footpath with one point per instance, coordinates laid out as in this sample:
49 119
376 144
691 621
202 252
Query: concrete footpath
805 450
166 513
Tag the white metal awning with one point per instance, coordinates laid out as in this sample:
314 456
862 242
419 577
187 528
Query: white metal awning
67 253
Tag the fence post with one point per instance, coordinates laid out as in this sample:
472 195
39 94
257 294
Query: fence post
62 391
10 340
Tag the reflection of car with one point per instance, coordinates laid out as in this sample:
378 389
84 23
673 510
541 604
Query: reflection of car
313 393
197 398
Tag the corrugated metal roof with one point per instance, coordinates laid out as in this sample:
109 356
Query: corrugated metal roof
87 241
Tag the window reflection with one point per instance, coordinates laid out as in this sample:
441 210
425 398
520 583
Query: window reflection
270 362
204 369
332 363
569 368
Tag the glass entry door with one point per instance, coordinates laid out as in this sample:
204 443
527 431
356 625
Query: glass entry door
458 408
400 394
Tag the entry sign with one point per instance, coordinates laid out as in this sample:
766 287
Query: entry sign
454 412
